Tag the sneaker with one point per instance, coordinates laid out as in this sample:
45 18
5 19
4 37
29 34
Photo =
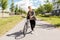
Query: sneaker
32 32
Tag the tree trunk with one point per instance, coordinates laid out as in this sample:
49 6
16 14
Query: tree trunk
2 14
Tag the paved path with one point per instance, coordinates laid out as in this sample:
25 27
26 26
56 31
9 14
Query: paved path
43 31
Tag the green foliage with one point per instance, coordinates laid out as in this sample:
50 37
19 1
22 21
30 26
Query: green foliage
48 7
19 11
24 11
0 2
58 1
54 20
40 10
12 6
16 9
3 4
47 1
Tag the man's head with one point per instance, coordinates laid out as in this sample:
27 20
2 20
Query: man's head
29 7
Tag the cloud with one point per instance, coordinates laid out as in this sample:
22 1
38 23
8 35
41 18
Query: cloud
25 3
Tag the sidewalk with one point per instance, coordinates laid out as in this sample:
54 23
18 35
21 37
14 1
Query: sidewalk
43 31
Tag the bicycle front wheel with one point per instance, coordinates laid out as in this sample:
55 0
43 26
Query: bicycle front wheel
25 29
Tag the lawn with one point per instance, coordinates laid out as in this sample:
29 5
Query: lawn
8 23
54 20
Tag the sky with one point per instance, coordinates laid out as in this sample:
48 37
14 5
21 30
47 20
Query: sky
25 3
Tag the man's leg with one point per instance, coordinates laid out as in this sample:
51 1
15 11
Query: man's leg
31 23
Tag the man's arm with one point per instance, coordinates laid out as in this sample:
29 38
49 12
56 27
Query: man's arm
28 15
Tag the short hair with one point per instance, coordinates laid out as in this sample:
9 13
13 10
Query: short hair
29 6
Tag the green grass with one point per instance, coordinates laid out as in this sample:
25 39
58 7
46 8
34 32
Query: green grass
54 20
8 23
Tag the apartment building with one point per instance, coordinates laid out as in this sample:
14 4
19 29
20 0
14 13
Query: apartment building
56 7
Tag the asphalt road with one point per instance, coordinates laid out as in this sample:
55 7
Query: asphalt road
42 31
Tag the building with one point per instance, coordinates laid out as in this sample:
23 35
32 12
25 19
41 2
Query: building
56 7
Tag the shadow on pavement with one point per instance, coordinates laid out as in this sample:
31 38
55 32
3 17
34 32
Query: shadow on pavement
18 35
46 26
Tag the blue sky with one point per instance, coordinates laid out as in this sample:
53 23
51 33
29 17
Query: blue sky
9 1
25 3
34 3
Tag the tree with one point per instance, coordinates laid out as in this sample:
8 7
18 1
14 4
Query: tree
58 1
3 4
16 9
40 10
0 2
12 6
48 7
47 1
20 11
23 11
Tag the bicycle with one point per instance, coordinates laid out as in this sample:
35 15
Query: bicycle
25 28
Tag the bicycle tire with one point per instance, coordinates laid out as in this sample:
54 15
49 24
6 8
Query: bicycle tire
25 28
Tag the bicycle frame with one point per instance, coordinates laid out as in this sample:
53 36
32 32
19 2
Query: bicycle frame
25 27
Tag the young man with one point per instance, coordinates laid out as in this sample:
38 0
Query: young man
31 17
